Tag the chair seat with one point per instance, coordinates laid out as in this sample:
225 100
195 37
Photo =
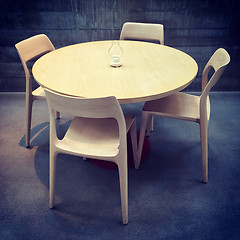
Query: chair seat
93 137
179 105
39 93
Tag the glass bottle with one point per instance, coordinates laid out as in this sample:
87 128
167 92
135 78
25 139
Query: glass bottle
115 52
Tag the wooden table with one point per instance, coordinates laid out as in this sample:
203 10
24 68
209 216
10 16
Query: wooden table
149 71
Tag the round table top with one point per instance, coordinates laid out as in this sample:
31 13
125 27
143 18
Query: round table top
149 71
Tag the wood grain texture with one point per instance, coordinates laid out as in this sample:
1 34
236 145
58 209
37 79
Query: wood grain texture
149 71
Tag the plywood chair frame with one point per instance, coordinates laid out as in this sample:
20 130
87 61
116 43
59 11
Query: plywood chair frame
146 32
28 49
86 138
189 107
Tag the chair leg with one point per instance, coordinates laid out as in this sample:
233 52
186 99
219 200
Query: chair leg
122 168
133 134
152 121
29 104
52 175
150 126
144 122
204 147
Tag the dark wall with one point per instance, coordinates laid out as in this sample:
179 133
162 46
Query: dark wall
196 27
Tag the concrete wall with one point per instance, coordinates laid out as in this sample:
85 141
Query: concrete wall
196 27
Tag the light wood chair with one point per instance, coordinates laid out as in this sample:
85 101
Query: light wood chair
189 107
27 50
146 32
98 131
142 31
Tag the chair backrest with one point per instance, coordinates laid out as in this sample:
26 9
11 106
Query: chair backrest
107 107
33 47
143 31
218 62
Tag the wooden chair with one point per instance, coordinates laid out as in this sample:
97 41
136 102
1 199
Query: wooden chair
189 107
27 50
146 32
142 31
98 131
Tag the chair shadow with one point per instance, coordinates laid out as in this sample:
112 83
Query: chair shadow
38 136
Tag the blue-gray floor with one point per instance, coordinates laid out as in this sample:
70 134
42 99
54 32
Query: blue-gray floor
167 199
